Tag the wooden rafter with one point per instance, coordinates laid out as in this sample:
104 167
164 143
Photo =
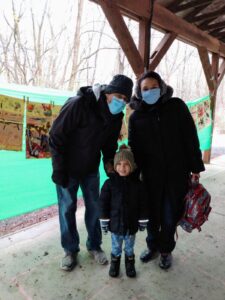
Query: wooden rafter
161 50
192 15
123 35
165 20
187 32
218 33
174 4
192 4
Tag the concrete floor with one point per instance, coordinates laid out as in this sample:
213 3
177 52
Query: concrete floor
29 262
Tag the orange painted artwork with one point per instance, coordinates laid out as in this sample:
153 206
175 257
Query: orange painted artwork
11 123
40 117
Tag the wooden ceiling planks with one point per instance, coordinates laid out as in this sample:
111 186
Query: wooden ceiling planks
180 6
209 26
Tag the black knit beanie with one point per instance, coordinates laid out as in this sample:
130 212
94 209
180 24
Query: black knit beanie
120 84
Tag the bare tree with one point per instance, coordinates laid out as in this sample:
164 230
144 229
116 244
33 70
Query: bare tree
76 46
97 54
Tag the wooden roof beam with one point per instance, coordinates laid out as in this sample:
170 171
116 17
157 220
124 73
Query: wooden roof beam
161 50
165 20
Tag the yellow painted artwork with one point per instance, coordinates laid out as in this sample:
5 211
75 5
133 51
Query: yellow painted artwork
11 123
124 130
40 117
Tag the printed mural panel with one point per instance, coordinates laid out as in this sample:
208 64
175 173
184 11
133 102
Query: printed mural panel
40 117
201 114
208 120
124 130
11 123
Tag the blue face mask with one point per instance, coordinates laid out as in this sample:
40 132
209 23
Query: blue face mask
151 96
116 105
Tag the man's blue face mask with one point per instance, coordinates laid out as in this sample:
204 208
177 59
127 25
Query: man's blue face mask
151 96
116 105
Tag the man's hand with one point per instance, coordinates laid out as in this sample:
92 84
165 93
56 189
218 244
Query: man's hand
60 178
142 224
104 226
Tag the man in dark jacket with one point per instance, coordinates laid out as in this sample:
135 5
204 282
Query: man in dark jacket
165 144
88 125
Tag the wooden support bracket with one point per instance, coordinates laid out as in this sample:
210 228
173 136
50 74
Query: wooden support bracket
123 35
161 50
144 41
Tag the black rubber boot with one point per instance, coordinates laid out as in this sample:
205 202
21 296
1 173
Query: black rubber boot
114 269
148 254
165 261
130 266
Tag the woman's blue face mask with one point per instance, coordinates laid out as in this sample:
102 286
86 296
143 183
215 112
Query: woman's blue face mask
151 96
116 105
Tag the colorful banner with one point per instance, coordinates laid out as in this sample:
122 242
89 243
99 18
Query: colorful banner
201 113
40 117
11 123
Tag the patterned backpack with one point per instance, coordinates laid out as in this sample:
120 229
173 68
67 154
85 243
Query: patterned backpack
197 207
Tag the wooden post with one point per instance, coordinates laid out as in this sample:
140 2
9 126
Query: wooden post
211 74
161 50
144 41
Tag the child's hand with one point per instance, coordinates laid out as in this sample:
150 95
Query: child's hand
142 224
104 226
109 168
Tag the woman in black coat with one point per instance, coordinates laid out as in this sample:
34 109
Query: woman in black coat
163 138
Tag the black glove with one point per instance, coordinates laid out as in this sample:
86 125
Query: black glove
60 178
142 224
104 226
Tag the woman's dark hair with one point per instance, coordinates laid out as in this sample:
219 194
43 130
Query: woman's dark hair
148 74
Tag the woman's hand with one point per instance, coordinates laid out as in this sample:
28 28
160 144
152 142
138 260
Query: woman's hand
195 177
